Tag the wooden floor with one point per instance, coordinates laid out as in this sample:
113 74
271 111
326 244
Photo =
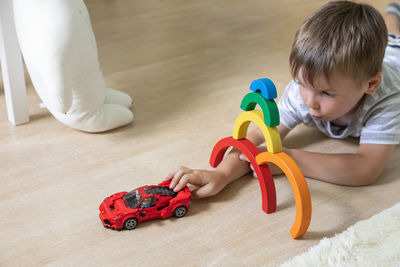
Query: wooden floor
187 65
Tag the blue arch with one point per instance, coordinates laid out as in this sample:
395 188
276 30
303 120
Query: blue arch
265 86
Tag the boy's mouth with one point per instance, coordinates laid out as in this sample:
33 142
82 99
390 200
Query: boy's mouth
317 117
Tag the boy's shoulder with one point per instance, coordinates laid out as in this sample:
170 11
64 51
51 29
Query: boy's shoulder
390 84
380 114
387 96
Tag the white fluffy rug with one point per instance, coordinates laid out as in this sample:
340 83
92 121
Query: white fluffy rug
373 242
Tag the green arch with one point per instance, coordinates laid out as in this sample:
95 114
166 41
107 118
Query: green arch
268 107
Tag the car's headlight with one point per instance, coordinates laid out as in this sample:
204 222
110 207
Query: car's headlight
114 218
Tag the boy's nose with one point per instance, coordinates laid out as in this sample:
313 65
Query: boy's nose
312 102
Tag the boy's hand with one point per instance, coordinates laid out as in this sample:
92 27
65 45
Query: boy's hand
275 170
209 182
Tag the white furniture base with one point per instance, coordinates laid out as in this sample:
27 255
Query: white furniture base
11 66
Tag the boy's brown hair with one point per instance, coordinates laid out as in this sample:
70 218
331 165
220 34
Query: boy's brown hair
341 36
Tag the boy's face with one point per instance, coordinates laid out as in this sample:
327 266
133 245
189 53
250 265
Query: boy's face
334 99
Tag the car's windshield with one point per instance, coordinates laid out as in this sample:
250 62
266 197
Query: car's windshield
132 198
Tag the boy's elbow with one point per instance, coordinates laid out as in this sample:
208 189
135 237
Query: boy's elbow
366 177
370 161
364 181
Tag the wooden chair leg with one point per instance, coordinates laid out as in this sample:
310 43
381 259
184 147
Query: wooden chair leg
11 66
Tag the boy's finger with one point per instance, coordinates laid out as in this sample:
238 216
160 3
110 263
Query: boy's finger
169 177
243 157
183 182
171 174
177 176
262 147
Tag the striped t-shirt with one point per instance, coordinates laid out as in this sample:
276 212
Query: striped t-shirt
376 121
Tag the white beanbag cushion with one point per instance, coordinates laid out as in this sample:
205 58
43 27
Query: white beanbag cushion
60 52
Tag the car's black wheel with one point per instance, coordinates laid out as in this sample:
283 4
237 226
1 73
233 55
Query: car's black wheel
180 211
130 224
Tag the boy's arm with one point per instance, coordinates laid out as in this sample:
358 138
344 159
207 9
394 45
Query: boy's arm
353 169
230 169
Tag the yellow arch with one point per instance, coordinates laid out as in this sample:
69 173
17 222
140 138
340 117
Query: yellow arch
299 187
271 134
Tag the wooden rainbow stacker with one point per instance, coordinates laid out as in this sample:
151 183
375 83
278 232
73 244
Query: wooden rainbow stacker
263 92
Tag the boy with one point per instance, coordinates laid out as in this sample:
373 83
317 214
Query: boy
341 86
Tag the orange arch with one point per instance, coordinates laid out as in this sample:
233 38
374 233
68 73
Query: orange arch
264 175
299 187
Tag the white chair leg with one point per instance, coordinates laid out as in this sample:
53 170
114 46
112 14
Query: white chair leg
11 66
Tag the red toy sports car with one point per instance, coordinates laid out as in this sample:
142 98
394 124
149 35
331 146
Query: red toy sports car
128 209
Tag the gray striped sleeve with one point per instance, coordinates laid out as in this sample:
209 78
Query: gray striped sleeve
392 54
290 106
383 124
382 121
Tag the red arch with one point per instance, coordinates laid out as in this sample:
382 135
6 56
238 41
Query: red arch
264 175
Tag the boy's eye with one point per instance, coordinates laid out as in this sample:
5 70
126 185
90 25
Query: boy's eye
327 94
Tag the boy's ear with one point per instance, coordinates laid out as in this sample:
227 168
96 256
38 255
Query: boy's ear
373 83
